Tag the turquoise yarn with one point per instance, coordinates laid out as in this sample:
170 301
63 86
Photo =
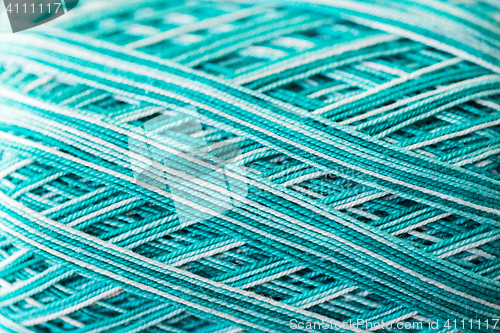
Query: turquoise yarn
252 166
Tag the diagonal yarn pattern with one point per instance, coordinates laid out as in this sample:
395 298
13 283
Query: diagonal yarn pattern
357 146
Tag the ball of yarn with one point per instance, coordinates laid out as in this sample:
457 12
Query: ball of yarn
252 166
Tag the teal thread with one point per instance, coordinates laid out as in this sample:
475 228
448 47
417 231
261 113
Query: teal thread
367 135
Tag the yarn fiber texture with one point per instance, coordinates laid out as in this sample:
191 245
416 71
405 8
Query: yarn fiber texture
357 146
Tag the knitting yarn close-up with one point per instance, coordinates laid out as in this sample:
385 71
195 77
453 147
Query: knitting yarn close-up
234 166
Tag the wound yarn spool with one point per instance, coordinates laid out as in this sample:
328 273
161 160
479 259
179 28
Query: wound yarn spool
252 166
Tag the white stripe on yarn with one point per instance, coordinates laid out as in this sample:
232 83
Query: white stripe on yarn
19 165
101 211
76 200
141 229
327 91
91 100
481 253
363 213
302 178
38 82
12 258
476 252
361 298
329 297
413 99
196 26
229 330
10 288
37 304
473 159
426 153
37 184
13 326
207 254
271 277
454 135
148 111
434 111
424 236
71 309
43 199
471 246
361 200
222 144
309 57
489 104
242 157
389 84
384 68
421 223
77 96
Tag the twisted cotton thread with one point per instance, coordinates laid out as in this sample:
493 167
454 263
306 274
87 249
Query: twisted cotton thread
393 217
